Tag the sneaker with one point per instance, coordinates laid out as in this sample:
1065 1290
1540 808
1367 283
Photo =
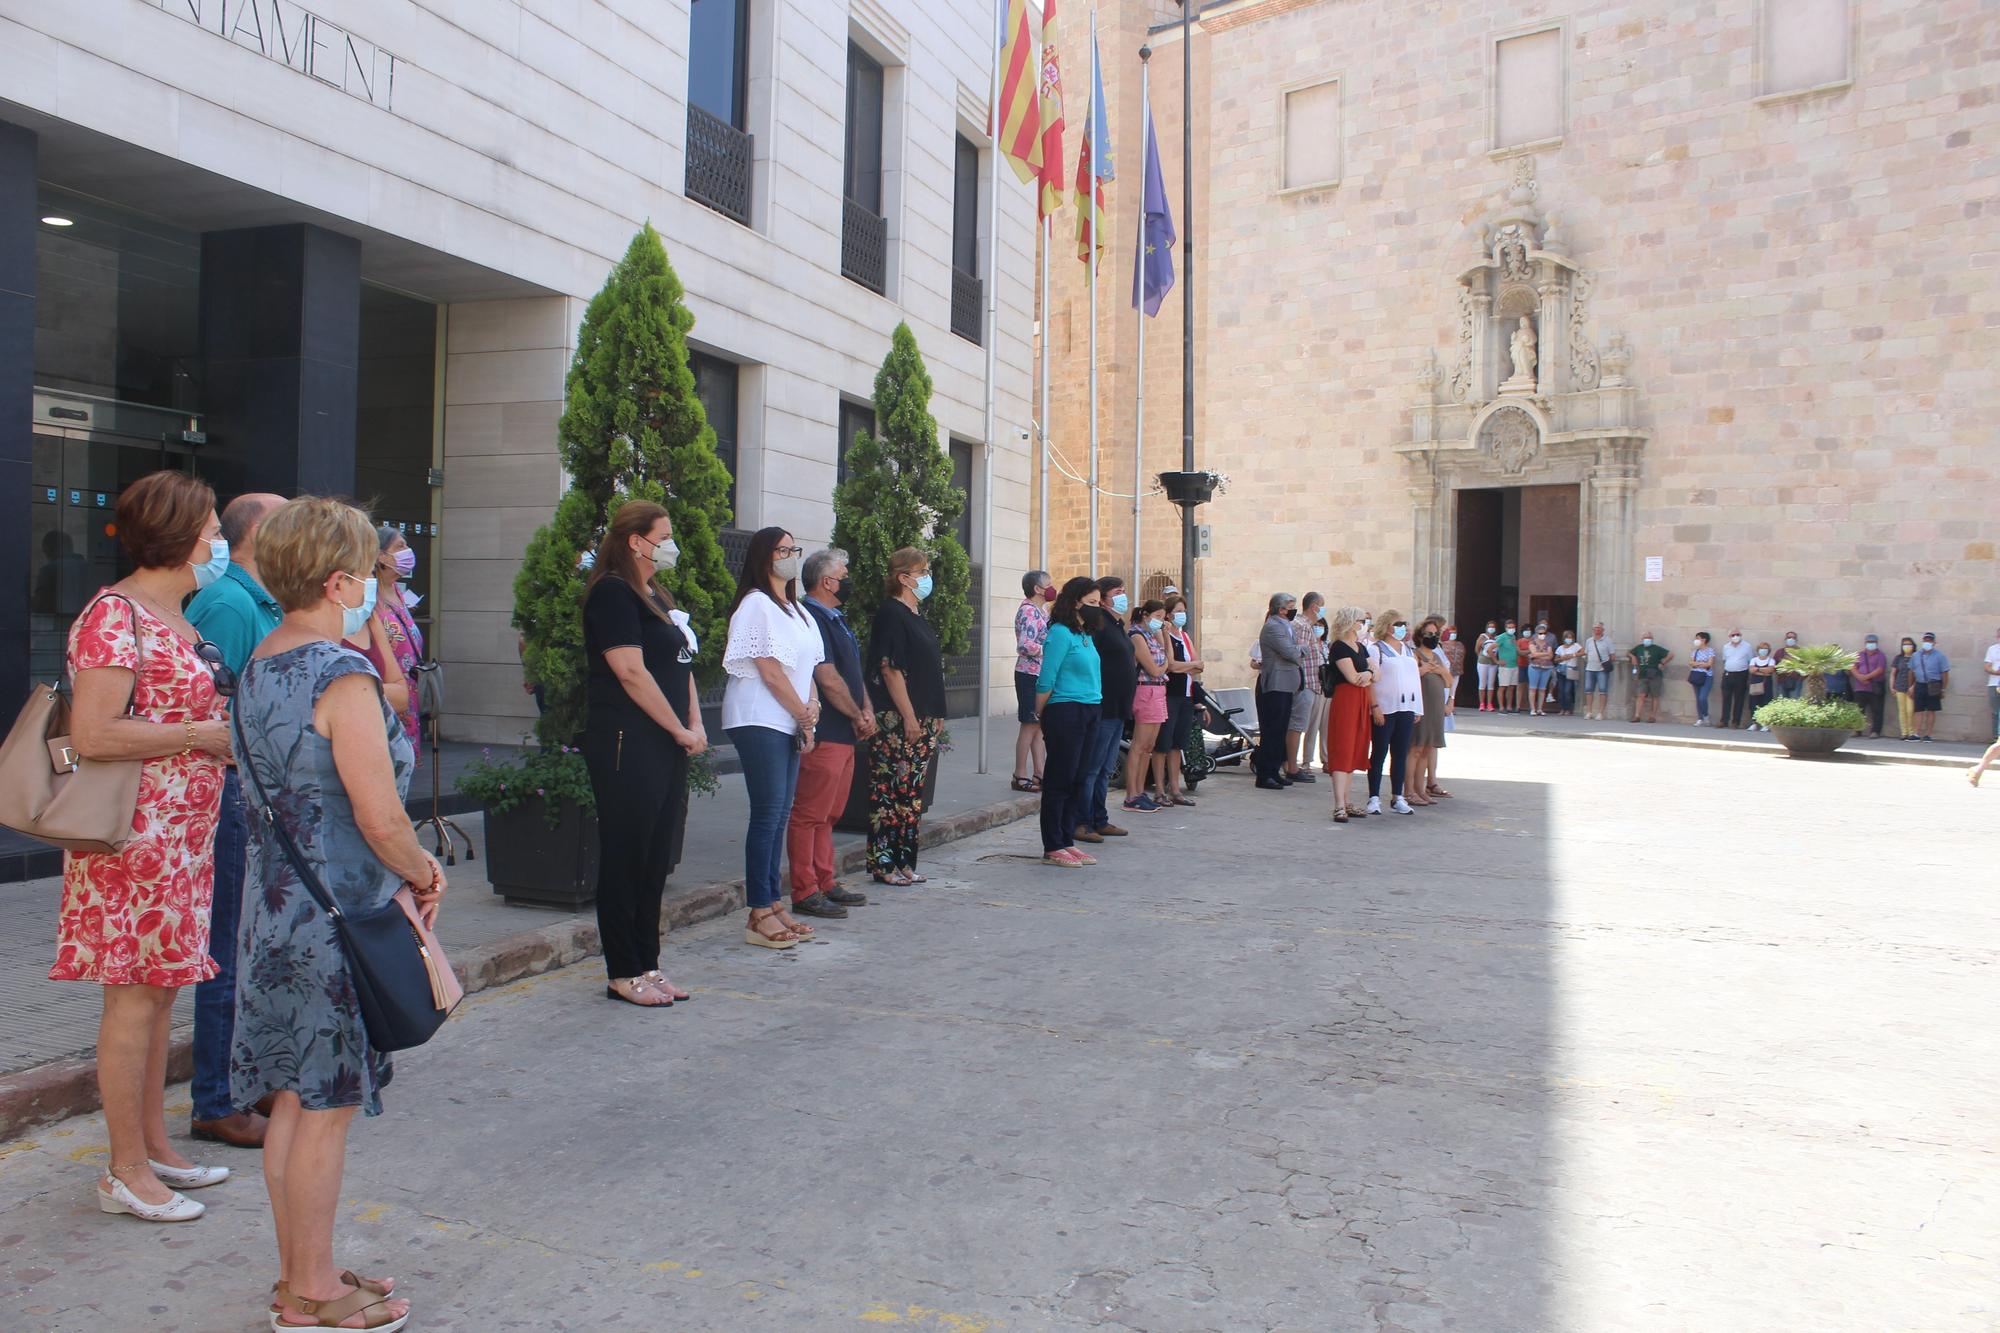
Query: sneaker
1929 739
1142 803
1111 830
1374 806
1402 807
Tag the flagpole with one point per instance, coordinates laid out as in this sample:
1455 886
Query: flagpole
985 610
1139 311
1089 201
1042 426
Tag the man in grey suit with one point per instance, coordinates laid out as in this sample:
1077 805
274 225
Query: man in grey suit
1281 676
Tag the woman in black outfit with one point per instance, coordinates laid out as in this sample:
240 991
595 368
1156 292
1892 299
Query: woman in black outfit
644 725
906 689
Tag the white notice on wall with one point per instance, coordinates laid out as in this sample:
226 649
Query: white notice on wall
1656 568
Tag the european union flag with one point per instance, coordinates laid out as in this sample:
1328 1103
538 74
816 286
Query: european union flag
1153 262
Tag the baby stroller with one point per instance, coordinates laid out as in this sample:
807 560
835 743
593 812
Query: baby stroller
1217 738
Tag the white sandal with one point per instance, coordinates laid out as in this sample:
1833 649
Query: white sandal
189 1177
119 1199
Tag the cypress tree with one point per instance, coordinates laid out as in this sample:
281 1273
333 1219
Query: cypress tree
631 429
899 493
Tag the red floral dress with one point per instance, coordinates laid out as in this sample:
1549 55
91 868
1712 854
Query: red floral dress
139 916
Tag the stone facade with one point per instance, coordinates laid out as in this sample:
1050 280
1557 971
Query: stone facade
1790 317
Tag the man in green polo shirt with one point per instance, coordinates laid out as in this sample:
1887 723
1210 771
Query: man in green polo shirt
1649 664
234 613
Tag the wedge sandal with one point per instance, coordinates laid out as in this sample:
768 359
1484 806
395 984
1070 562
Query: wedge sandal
754 933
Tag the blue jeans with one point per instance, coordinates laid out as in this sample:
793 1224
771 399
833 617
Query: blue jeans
1790 687
1100 761
1566 694
215 999
771 772
1703 682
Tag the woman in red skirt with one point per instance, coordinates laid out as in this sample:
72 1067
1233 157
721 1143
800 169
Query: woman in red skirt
1347 718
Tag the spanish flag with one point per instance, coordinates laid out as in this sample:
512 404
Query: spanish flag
1052 116
1093 167
1020 135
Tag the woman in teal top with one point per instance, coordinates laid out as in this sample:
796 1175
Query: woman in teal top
1067 697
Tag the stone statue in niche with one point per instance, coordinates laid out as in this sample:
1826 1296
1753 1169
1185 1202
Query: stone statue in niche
1522 348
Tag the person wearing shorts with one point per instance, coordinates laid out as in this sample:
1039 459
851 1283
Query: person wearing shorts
1485 651
1507 688
1649 670
1931 672
1599 655
1149 702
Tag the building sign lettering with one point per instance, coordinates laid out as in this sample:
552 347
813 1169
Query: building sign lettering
299 39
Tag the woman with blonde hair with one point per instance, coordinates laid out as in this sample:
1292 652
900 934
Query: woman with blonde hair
1398 703
1350 674
323 745
1434 677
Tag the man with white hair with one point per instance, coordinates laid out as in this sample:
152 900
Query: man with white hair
826 771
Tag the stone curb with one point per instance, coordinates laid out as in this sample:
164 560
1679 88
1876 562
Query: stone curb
68 1087
1750 747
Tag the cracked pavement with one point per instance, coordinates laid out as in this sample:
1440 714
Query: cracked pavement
1621 1038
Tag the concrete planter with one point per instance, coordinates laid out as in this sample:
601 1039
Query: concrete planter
1811 741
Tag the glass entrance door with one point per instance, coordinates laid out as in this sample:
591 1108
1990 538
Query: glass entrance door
75 480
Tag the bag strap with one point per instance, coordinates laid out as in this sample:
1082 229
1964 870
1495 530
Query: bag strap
248 764
138 640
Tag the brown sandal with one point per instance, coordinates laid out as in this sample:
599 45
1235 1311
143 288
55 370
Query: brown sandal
371 1306
804 932
754 933
381 1286
1437 791
1340 815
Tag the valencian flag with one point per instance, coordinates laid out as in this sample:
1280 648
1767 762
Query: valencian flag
1052 116
1153 262
1020 133
1093 167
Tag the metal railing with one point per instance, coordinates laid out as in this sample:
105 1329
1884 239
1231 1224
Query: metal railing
968 304
719 158
864 246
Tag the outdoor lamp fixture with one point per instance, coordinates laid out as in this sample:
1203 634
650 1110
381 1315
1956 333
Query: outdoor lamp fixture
1188 489
55 220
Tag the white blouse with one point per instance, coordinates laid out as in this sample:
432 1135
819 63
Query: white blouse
1398 687
762 627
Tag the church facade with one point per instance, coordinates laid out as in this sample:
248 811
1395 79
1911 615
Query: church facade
1678 320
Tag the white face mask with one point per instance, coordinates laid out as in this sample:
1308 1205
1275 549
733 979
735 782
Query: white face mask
1736 638
665 555
786 567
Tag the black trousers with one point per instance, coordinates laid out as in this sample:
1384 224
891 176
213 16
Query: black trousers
1871 708
1391 741
639 777
1274 714
1066 731
1735 699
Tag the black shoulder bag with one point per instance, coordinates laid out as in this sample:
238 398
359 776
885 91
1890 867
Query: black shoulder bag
405 987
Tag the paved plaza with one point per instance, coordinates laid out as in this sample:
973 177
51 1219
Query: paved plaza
1624 1037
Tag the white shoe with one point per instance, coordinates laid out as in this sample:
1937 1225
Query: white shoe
189 1177
118 1199
1402 807
1374 806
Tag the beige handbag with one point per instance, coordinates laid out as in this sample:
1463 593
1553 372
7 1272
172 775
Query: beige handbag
53 794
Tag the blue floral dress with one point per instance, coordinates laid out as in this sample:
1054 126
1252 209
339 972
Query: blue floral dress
298 1024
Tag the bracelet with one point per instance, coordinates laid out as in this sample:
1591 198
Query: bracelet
188 748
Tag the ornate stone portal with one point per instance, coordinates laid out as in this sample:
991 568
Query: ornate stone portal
1562 414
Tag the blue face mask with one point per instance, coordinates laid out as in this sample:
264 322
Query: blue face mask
353 619
923 586
1401 632
212 569
1119 602
1154 624
1180 620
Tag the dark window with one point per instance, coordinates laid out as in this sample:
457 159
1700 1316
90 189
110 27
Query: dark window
854 418
863 173
718 64
961 480
965 208
715 385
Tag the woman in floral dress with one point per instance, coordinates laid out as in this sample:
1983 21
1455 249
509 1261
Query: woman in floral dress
327 751
135 921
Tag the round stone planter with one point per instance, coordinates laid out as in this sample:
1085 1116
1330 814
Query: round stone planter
1809 741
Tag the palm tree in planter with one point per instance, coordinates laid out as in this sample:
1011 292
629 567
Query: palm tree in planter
632 428
898 493
1813 724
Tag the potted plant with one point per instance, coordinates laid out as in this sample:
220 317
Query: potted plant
632 428
898 493
1812 725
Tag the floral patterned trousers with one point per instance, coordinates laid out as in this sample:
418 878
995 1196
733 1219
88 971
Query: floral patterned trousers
897 764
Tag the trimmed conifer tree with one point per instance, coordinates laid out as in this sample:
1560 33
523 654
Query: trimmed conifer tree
632 428
899 493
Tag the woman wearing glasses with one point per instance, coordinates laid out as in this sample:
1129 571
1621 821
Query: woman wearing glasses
135 921
769 709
